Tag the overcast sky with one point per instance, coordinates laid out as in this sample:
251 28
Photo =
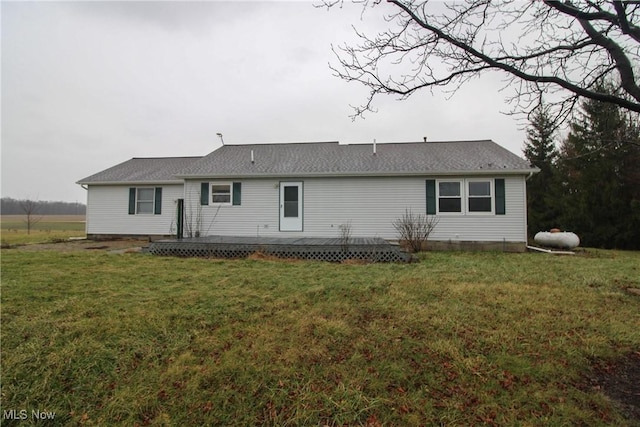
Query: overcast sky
87 85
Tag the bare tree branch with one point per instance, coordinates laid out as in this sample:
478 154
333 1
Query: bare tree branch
619 19
563 49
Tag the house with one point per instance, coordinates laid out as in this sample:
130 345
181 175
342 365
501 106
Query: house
476 189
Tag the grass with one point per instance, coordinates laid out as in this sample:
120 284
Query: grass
49 228
456 339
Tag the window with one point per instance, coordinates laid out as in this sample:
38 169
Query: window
290 202
221 194
449 196
479 199
145 200
480 196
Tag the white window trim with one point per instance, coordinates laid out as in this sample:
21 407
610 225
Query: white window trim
462 197
153 200
492 196
211 193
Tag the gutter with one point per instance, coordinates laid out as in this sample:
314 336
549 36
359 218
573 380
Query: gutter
528 172
531 172
182 178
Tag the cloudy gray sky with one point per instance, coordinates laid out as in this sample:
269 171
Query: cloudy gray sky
87 85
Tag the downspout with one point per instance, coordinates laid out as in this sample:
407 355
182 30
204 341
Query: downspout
184 203
526 210
86 211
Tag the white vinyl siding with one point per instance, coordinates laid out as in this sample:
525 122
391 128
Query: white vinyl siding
370 204
107 211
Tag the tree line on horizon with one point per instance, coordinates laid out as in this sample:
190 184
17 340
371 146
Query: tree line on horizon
589 181
10 206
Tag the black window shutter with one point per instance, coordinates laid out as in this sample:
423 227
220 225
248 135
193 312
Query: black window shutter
132 201
237 193
431 197
204 193
500 197
157 208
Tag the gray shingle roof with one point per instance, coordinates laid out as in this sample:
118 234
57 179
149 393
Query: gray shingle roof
331 158
142 170
321 158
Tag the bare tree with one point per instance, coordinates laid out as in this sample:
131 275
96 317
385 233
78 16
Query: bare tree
414 229
193 219
30 208
345 231
563 50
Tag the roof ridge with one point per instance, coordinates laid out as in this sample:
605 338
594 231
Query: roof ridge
262 144
166 157
342 144
419 142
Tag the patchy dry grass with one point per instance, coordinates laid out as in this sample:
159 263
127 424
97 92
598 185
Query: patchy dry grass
456 339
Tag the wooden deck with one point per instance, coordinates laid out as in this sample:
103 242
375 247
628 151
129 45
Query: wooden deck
321 249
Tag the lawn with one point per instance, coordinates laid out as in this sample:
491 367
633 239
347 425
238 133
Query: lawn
455 339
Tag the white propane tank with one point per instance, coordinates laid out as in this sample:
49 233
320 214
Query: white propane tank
559 239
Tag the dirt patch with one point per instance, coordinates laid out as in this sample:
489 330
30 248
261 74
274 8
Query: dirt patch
124 245
620 381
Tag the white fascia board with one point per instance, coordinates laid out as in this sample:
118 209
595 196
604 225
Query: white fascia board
128 183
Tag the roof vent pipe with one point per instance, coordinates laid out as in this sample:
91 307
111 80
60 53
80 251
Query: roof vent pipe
424 138
252 160
374 146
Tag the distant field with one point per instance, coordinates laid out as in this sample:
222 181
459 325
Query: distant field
61 222
48 228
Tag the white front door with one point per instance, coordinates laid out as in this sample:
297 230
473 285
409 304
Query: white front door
291 206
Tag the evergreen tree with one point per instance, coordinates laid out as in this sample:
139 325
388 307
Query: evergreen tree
629 234
543 207
599 163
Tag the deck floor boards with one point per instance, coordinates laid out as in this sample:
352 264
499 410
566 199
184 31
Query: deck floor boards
295 241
